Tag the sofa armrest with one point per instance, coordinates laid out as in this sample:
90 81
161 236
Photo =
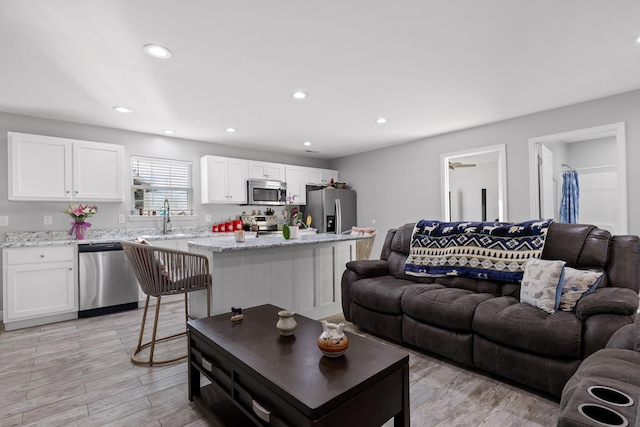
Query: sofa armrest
357 270
622 338
369 268
611 300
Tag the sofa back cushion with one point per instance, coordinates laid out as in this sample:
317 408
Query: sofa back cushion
623 267
400 244
579 245
402 240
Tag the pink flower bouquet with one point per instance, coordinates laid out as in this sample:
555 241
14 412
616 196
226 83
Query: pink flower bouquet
79 213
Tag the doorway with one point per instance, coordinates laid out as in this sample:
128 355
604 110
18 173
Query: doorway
474 186
597 155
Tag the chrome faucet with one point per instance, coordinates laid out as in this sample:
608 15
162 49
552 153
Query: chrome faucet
166 227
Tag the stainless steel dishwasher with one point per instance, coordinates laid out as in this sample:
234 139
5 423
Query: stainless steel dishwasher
107 283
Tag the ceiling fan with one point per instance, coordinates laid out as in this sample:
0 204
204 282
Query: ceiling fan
455 165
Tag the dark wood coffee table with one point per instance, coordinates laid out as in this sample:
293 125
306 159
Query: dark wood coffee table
261 378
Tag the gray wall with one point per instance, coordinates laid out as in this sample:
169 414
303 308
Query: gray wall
29 216
401 184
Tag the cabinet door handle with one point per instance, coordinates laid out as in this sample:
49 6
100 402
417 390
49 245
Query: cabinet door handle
68 191
41 255
76 191
260 411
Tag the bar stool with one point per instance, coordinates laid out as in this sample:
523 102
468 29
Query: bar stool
363 246
162 272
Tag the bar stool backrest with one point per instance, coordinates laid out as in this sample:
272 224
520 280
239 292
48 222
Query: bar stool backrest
162 271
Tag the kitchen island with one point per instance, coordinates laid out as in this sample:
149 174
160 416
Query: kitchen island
300 274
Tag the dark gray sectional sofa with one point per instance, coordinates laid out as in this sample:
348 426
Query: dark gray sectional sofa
482 323
607 382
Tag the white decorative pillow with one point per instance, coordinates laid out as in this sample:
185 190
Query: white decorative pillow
577 283
542 284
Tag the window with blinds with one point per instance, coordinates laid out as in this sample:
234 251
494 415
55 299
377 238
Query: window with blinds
155 180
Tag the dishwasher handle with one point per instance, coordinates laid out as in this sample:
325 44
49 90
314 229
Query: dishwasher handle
100 247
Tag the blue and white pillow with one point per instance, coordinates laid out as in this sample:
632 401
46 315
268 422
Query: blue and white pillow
577 283
541 284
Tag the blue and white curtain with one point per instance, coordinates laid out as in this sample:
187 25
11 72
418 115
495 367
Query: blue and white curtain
569 207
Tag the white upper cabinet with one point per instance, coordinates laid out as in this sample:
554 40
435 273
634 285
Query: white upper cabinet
262 170
223 180
48 168
321 176
296 184
98 171
237 184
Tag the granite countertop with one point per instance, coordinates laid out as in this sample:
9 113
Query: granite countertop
265 242
61 238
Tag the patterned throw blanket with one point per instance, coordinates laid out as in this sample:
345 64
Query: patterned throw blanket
484 250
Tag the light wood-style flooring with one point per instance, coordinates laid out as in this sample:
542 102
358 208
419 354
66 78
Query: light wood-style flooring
79 373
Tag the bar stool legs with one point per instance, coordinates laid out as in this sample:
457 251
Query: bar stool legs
154 340
162 272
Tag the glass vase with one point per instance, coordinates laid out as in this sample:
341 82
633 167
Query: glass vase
79 230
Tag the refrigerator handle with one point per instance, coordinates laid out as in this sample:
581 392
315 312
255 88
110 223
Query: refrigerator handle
338 217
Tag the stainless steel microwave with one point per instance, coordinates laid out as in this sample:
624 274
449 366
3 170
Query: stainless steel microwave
266 192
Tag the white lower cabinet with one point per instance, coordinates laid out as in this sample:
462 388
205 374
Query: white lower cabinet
39 285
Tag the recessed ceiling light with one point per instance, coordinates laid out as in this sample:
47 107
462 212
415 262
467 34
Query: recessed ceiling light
122 109
381 120
299 95
231 130
157 51
307 143
636 39
169 131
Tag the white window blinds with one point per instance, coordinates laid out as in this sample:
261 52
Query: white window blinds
155 180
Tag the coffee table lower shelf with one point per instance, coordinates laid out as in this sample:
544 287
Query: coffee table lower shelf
220 409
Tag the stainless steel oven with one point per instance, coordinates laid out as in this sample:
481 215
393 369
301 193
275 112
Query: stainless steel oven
266 192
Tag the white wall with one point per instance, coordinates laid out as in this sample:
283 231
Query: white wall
401 184
29 216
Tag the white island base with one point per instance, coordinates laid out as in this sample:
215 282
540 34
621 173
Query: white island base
303 275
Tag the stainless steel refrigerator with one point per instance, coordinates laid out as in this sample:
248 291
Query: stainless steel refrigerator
332 211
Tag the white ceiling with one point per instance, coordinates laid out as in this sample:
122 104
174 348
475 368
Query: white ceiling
429 67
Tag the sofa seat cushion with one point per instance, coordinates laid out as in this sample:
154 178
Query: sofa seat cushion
381 294
507 321
448 308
